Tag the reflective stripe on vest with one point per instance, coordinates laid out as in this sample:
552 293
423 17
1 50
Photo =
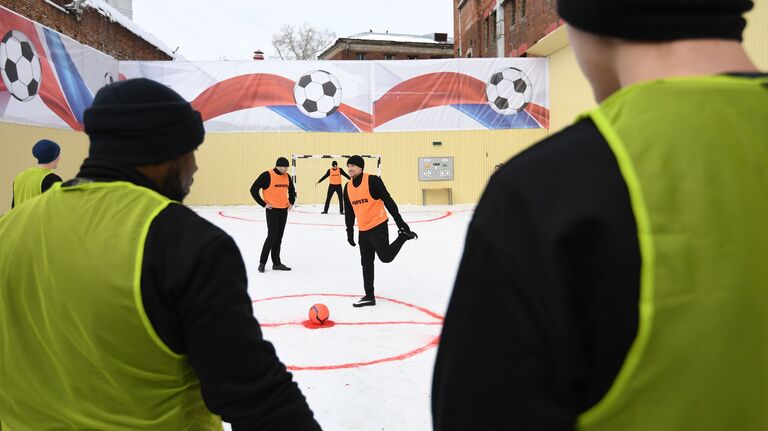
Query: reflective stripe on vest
29 184
82 353
277 192
694 155
335 177
368 211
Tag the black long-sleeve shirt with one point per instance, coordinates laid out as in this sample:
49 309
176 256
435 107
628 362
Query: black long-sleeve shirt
328 174
46 184
262 183
378 191
545 305
194 290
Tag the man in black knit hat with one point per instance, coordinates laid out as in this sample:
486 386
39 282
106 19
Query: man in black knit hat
122 308
614 274
279 196
367 196
37 179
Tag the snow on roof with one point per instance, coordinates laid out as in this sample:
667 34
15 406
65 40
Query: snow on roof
391 37
115 16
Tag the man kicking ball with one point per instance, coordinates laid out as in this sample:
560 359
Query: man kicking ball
367 196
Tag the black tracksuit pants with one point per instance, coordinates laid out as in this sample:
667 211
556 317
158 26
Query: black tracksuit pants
276 219
331 190
376 242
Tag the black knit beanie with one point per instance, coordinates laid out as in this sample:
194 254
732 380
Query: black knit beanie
281 162
357 161
657 20
334 163
46 151
141 122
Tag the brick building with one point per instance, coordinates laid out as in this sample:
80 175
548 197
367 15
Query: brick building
101 26
501 28
386 46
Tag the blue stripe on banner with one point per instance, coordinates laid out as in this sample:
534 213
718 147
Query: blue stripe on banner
337 122
491 119
78 95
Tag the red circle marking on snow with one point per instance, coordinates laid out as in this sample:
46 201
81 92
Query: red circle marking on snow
311 325
433 343
444 215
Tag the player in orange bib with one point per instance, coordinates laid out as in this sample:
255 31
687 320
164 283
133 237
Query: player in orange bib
334 185
368 198
279 196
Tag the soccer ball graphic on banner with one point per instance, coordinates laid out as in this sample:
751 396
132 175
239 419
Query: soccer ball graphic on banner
20 66
508 91
317 94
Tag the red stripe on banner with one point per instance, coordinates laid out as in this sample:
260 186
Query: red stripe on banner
243 92
427 91
361 119
539 113
50 91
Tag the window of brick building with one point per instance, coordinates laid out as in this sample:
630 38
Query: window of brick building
360 56
493 27
487 32
389 57
512 4
413 57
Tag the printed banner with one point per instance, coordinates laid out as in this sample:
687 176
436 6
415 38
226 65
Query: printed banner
360 96
49 79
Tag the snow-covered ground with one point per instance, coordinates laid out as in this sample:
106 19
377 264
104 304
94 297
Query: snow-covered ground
372 368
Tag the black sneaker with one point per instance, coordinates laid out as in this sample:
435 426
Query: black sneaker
364 302
280 267
408 234
324 212
261 267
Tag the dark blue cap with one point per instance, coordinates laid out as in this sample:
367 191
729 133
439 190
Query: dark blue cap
46 151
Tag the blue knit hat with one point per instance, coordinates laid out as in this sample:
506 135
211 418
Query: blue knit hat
46 151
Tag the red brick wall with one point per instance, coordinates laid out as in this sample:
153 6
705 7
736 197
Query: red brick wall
473 29
94 29
540 19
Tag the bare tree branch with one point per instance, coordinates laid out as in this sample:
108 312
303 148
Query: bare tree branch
303 42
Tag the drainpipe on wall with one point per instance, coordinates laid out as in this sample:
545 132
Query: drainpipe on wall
500 45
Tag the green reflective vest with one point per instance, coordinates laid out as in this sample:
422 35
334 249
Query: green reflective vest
29 184
694 155
78 350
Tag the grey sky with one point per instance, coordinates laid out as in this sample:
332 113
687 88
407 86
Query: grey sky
233 29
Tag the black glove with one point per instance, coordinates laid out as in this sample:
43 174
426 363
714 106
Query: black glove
351 237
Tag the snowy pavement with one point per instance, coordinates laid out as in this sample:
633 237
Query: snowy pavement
371 367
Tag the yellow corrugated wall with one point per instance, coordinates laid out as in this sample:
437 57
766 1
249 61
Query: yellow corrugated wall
756 34
230 162
570 93
16 143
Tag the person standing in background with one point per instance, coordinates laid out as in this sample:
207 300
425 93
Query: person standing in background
334 186
279 197
37 179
